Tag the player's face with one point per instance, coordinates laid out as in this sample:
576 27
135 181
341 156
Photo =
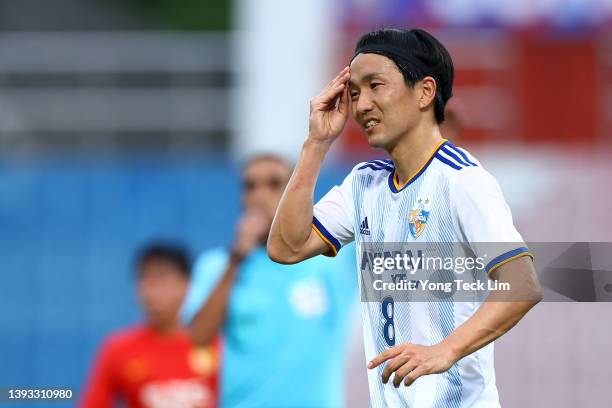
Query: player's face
381 101
161 291
263 183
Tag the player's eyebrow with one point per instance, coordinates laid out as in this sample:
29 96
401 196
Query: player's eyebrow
366 78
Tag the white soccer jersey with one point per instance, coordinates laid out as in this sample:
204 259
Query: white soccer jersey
450 199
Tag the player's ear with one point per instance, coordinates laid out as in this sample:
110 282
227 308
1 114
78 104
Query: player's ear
428 92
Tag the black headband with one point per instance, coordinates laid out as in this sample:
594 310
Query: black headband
402 54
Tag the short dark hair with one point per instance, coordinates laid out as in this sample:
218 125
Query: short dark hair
174 254
434 60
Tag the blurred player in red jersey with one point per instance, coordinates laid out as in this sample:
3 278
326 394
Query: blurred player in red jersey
156 365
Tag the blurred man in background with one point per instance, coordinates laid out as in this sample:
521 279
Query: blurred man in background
155 364
285 327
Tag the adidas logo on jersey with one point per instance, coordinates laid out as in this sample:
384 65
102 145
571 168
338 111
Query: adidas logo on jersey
364 229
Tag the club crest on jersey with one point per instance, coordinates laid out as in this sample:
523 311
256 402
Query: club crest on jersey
418 217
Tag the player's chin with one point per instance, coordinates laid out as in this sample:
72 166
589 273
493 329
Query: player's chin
376 140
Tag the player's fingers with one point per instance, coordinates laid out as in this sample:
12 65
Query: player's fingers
343 103
342 77
402 372
333 90
384 356
335 84
414 375
328 97
391 366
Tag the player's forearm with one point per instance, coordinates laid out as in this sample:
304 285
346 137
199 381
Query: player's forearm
491 321
208 321
501 311
291 227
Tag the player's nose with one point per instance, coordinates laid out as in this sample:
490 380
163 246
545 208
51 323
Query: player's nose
364 105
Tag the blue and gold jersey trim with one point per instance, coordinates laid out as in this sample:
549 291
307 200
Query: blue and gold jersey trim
445 152
507 257
394 183
325 235
454 157
379 164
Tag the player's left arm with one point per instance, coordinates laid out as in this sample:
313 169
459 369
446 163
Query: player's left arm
501 311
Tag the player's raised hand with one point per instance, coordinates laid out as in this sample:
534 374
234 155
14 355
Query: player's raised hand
411 361
329 109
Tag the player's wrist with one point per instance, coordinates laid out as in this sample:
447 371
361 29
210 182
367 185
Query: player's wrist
317 145
452 351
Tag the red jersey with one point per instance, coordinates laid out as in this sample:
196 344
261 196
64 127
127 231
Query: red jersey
151 370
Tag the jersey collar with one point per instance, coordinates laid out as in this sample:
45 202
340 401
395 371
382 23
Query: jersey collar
394 184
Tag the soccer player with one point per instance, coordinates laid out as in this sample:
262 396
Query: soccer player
156 364
284 328
397 85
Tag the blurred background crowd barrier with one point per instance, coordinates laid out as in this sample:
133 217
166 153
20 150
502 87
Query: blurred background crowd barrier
125 121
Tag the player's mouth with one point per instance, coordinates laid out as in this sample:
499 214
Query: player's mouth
370 124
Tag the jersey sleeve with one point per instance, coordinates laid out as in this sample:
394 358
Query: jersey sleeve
100 390
483 219
206 274
333 216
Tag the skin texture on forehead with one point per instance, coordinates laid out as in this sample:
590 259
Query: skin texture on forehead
374 64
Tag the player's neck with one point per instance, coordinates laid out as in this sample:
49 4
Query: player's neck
414 150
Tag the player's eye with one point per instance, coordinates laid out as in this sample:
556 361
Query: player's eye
375 84
354 95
